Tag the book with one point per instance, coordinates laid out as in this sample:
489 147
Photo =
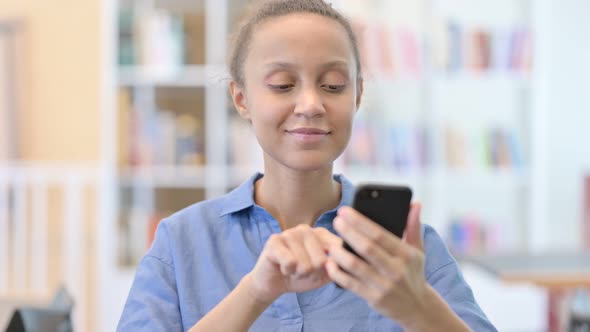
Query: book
469 234
479 49
388 52
500 150
410 53
455 35
158 138
159 40
189 148
501 48
124 127
126 56
456 47
455 152
361 149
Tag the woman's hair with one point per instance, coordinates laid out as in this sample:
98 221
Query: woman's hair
266 9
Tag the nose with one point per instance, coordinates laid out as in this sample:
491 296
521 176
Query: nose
309 103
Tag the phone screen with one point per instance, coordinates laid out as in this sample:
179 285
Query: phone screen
384 204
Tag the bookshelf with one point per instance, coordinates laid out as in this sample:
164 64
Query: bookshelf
449 108
450 102
168 115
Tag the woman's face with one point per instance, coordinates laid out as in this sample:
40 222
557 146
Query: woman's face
300 90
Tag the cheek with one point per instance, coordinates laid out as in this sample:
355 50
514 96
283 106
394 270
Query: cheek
345 115
266 122
268 110
346 124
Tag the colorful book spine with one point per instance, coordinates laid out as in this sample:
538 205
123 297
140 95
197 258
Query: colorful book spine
400 148
462 48
470 235
492 148
455 47
126 56
388 52
162 138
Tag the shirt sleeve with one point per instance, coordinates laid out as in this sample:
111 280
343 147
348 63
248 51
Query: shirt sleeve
444 275
152 304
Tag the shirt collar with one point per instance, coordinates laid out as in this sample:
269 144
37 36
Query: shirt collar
243 196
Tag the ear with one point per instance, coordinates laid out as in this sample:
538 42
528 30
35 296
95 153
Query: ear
239 99
359 93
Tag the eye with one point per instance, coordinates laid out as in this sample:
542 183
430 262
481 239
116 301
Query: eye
281 87
333 87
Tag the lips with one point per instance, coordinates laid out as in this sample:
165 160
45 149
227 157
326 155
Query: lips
308 131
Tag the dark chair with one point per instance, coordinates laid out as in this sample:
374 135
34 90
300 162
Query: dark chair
56 317
579 323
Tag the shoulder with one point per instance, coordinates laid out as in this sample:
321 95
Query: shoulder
201 214
435 250
195 223
214 212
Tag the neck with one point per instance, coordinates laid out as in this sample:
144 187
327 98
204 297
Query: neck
297 197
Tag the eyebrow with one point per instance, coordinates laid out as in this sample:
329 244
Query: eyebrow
287 65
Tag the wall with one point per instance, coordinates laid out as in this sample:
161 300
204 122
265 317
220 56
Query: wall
61 95
60 116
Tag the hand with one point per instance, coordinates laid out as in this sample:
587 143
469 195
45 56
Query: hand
292 261
391 278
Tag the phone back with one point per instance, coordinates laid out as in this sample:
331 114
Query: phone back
386 205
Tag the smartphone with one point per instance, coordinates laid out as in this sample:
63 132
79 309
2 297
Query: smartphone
387 205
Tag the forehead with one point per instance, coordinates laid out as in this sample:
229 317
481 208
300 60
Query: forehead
300 37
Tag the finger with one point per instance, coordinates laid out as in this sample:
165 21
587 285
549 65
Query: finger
314 248
357 267
373 252
413 233
327 238
371 229
348 281
294 242
279 254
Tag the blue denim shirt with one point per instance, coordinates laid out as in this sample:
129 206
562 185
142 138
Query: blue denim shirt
201 252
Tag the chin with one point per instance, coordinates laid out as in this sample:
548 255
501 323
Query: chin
309 162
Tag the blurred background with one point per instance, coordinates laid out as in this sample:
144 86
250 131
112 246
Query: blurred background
115 113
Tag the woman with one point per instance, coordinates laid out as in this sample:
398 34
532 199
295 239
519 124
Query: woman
266 256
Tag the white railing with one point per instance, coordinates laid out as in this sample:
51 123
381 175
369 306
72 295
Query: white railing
28 221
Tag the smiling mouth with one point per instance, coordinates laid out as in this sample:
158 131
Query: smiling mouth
308 131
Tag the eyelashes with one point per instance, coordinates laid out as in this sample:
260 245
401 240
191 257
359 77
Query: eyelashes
281 87
333 88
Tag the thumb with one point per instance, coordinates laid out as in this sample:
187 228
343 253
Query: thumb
413 232
327 239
